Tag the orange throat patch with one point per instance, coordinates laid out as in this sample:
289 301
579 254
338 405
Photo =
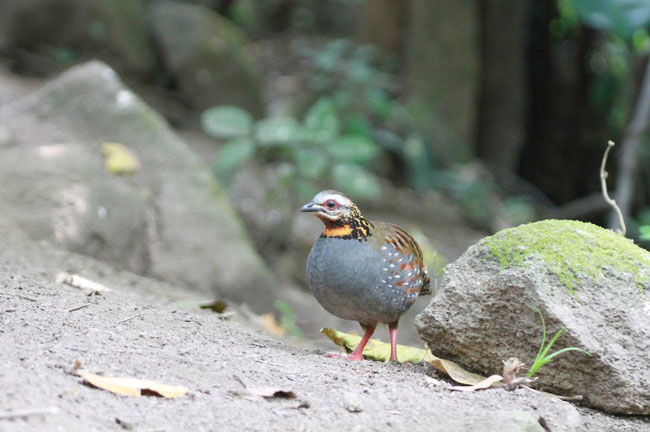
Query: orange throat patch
337 231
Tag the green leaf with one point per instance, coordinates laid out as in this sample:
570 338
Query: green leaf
278 131
311 163
332 54
357 124
551 342
322 122
381 103
620 16
563 350
232 154
355 180
226 122
353 148
541 346
644 231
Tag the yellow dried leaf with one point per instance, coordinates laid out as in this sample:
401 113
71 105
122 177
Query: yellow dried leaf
119 159
487 382
454 371
374 350
132 386
271 324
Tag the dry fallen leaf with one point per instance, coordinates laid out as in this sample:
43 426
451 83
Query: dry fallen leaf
132 386
487 382
271 392
454 371
374 350
82 283
119 159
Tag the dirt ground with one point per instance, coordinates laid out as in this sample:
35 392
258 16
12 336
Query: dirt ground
145 329
139 330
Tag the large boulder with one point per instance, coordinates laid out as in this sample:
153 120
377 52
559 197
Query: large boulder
45 35
169 220
587 279
206 55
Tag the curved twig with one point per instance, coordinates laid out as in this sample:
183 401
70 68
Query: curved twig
603 184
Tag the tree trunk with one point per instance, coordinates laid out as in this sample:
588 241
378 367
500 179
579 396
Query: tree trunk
627 164
565 134
442 74
502 97
384 24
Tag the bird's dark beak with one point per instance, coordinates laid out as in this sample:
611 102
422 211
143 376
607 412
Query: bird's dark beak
309 208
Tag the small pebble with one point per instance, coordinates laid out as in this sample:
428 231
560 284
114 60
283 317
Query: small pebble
352 403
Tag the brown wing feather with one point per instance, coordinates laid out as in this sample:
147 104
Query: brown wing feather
406 245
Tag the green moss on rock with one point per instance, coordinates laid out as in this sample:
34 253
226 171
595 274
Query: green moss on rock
571 250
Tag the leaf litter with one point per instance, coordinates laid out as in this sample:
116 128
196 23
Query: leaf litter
132 386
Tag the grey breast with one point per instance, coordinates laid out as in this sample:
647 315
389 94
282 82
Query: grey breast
348 278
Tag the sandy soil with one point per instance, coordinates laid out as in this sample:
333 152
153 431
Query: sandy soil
140 331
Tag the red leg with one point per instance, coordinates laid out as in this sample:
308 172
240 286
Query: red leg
392 329
357 354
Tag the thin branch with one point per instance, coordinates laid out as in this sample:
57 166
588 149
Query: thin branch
24 297
627 165
603 185
5 415
79 307
131 317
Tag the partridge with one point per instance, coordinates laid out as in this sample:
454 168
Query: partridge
369 272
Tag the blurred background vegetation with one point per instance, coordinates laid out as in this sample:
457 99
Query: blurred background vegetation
502 107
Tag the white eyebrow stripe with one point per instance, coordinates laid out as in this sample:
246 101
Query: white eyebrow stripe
322 197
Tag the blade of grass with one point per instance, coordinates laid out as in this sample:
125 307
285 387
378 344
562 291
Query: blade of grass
541 346
552 341
563 350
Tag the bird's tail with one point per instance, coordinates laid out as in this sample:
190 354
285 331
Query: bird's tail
426 287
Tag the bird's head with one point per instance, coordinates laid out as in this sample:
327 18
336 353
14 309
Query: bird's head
340 215
331 206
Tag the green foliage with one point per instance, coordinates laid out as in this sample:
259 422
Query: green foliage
312 151
640 225
543 357
226 122
234 153
622 17
624 26
362 90
355 180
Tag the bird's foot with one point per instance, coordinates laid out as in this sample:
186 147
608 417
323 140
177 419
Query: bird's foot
355 356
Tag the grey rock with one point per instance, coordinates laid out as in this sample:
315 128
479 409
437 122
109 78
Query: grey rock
169 220
582 277
207 55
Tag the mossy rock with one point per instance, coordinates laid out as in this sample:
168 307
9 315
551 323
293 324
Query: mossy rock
572 250
587 279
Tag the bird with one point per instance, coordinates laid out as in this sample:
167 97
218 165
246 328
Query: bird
369 272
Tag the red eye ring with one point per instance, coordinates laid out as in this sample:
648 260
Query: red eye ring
331 204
